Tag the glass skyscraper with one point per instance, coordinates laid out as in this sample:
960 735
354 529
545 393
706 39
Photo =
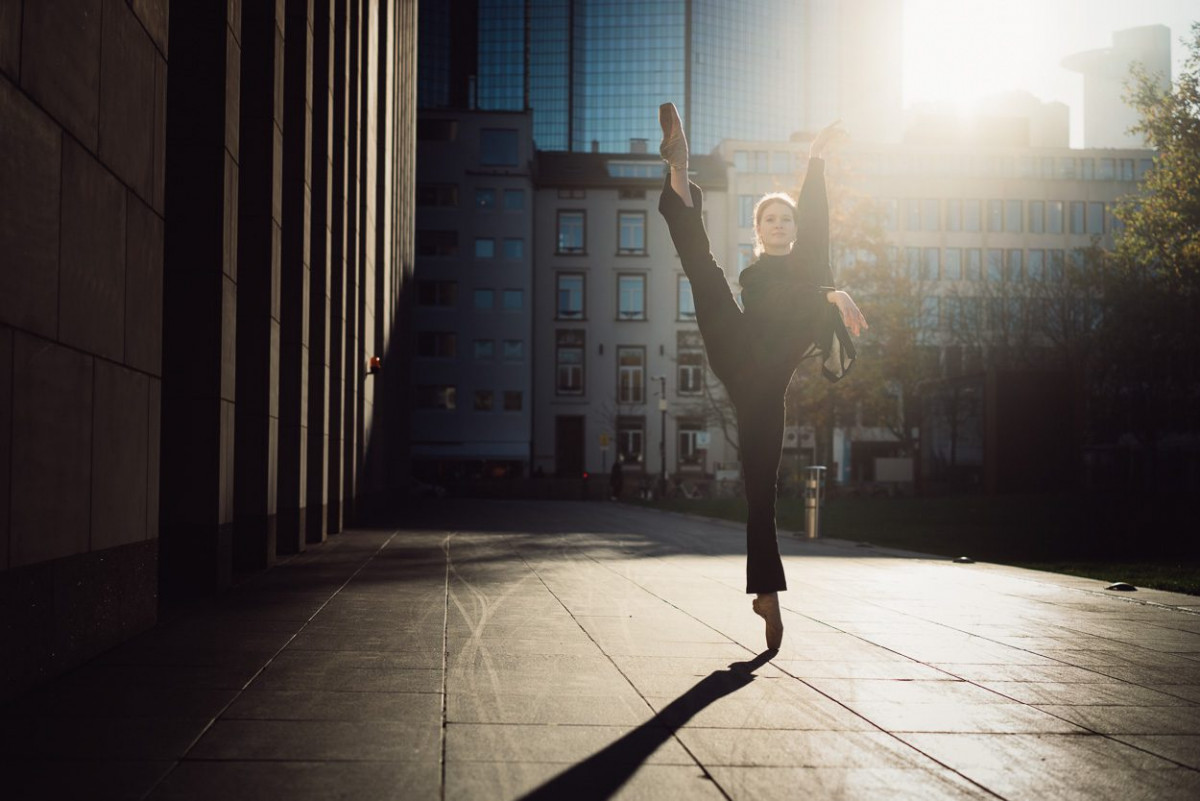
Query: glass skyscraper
594 71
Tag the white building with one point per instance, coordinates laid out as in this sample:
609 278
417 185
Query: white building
614 323
1107 118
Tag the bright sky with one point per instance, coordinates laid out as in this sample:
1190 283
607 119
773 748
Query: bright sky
958 51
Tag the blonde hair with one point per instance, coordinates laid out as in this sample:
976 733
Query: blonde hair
761 206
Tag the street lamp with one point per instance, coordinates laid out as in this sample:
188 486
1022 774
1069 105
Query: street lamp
662 434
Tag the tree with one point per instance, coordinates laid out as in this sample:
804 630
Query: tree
1147 381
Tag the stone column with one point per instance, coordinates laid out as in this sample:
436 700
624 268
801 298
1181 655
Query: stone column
294 277
258 331
200 292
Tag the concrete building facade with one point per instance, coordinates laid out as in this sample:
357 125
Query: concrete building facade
473 315
617 351
196 270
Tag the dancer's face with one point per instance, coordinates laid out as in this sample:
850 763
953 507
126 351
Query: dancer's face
777 228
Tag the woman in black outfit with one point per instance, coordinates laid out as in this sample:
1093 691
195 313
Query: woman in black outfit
792 311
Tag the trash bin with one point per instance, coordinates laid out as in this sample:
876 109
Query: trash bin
814 496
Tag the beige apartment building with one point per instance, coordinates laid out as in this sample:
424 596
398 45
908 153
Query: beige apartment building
616 348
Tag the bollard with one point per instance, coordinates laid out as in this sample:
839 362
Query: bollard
814 494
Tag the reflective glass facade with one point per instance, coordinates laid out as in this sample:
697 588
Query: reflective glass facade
595 71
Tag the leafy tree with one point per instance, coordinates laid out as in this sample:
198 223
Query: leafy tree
1147 377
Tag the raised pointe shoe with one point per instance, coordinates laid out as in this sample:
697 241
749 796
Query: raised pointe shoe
767 607
674 147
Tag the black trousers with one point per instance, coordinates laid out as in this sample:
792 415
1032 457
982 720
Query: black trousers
755 363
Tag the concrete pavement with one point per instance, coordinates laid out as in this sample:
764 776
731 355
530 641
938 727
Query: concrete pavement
563 650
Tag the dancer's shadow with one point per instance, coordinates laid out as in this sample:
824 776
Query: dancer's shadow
600 776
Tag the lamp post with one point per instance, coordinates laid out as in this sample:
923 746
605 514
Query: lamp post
662 434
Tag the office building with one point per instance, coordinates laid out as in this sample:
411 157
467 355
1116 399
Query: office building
472 320
593 72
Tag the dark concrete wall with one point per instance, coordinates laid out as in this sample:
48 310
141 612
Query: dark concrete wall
194 272
82 110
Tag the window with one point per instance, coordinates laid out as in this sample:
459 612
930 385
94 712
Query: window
692 443
437 293
1107 170
741 160
781 161
569 295
483 400
568 362
888 213
931 258
514 199
437 130
1037 216
631 438
571 232
1078 210
929 312
1054 217
512 401
931 214
626 193
1036 269
912 214
954 214
631 375
1012 216
1127 169
484 349
1054 266
1014 259
514 248
484 299
443 195
437 344
745 257
952 269
760 161
485 199
912 263
1066 168
691 372
436 396
498 147
746 211
971 215
572 194
485 248
687 304
513 299
631 233
1088 171
974 265
631 297
995 210
1095 218
437 243
995 264
514 350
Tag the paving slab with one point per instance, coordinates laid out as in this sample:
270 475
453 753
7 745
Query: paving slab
505 650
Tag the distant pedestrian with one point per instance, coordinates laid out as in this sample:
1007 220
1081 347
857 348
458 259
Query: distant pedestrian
793 311
616 480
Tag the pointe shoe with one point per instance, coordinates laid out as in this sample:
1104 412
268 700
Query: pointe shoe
767 607
674 147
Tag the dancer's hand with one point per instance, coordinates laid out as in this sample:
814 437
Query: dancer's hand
830 134
852 316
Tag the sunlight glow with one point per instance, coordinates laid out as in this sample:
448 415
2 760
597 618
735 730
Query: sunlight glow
958 52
